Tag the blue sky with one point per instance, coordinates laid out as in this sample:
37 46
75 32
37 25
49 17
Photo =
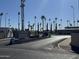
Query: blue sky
49 8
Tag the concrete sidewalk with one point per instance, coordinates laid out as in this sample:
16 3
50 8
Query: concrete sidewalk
52 40
41 43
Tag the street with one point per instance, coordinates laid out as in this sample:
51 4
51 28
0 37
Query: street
35 50
9 53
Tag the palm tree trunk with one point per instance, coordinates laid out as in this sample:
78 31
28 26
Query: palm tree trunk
42 24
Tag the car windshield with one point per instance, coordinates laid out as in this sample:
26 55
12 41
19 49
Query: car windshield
39 29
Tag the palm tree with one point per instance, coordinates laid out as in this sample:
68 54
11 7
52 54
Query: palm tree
47 26
60 23
5 18
70 24
18 20
9 22
43 19
1 14
77 22
35 22
59 26
67 22
51 27
50 23
28 25
33 25
40 26
35 17
56 19
56 23
74 22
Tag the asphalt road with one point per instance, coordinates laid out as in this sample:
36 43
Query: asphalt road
35 50
10 53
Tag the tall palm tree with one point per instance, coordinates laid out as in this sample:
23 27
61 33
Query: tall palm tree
77 22
56 23
47 26
9 22
74 23
60 23
35 22
45 23
50 23
59 26
33 25
5 18
1 14
68 23
40 26
56 19
18 20
43 20
51 27
28 25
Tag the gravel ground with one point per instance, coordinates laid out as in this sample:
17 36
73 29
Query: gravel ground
62 47
66 45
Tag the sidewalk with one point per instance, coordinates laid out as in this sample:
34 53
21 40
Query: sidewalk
41 43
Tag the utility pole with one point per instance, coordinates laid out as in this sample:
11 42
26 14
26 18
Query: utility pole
22 14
